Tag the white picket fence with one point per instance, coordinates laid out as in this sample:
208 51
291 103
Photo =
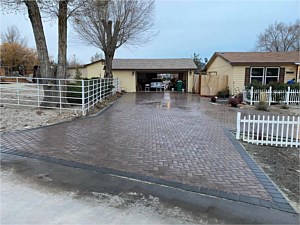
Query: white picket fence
288 96
65 94
269 130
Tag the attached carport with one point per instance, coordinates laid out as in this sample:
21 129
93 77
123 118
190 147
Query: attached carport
135 73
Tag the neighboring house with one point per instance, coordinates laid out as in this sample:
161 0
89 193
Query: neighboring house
135 73
243 68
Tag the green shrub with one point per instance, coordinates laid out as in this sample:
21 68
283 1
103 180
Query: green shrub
275 86
262 105
78 74
284 107
77 88
224 93
74 87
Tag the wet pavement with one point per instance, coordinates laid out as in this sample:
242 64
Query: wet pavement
171 136
38 192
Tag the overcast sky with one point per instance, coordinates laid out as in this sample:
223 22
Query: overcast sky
185 27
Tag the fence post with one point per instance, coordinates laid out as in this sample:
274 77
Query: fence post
59 86
93 93
251 96
100 89
18 94
88 95
38 91
287 95
270 95
83 98
238 126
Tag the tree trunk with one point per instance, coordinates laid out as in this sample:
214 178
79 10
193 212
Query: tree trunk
42 51
62 46
40 40
108 65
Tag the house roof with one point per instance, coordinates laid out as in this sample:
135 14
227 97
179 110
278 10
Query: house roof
250 58
153 64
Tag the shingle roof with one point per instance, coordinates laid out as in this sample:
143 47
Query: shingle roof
246 58
153 64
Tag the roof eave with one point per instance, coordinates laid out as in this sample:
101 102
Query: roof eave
160 69
213 58
261 63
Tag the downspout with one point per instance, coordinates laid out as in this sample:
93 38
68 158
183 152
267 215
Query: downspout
297 73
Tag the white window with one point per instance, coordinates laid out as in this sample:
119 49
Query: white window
257 73
272 74
264 75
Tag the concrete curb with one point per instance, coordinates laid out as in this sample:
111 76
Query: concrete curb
86 181
154 180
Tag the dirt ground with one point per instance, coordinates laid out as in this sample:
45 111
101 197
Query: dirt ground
280 109
14 118
282 165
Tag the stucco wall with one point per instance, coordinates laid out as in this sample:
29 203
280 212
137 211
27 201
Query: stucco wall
71 72
127 79
95 70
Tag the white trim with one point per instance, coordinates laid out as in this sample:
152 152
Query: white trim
257 76
264 76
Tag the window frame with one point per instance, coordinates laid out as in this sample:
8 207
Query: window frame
264 76
273 67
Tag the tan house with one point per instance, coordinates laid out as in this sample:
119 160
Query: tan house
135 73
243 68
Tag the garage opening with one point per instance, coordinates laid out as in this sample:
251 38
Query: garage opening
161 81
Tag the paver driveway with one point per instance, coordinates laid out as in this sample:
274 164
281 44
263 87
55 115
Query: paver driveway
171 136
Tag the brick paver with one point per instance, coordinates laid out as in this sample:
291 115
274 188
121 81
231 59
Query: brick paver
172 136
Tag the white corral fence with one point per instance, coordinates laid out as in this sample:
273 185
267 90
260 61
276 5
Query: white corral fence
269 130
288 96
62 94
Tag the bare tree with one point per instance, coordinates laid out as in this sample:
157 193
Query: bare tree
13 35
74 61
280 37
63 9
42 50
111 24
96 57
